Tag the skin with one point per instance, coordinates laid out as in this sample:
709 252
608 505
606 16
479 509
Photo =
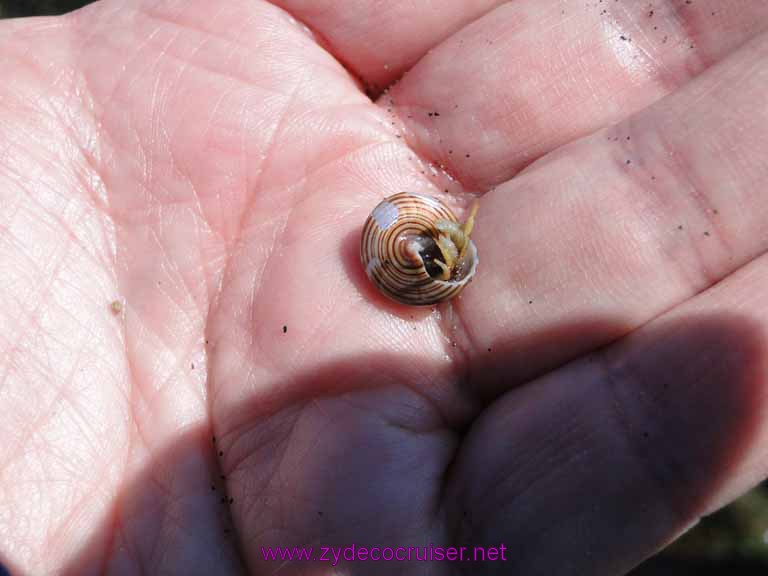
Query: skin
207 165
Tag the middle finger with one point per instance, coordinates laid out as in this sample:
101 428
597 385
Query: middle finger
610 231
534 74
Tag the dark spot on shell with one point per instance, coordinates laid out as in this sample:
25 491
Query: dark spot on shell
429 254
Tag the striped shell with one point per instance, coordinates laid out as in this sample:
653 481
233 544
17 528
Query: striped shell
398 247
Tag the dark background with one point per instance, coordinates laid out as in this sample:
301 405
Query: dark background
732 541
16 8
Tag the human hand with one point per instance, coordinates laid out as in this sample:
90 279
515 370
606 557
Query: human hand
183 186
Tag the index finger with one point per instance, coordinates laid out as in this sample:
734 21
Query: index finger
380 40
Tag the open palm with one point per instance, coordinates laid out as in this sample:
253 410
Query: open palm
193 366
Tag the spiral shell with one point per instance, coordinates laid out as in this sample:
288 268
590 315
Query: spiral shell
408 252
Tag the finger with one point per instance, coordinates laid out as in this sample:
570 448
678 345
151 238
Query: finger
380 40
611 457
613 230
532 75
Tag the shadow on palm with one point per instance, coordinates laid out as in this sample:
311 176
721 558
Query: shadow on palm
354 485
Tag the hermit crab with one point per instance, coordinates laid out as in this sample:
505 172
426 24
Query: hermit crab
416 252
